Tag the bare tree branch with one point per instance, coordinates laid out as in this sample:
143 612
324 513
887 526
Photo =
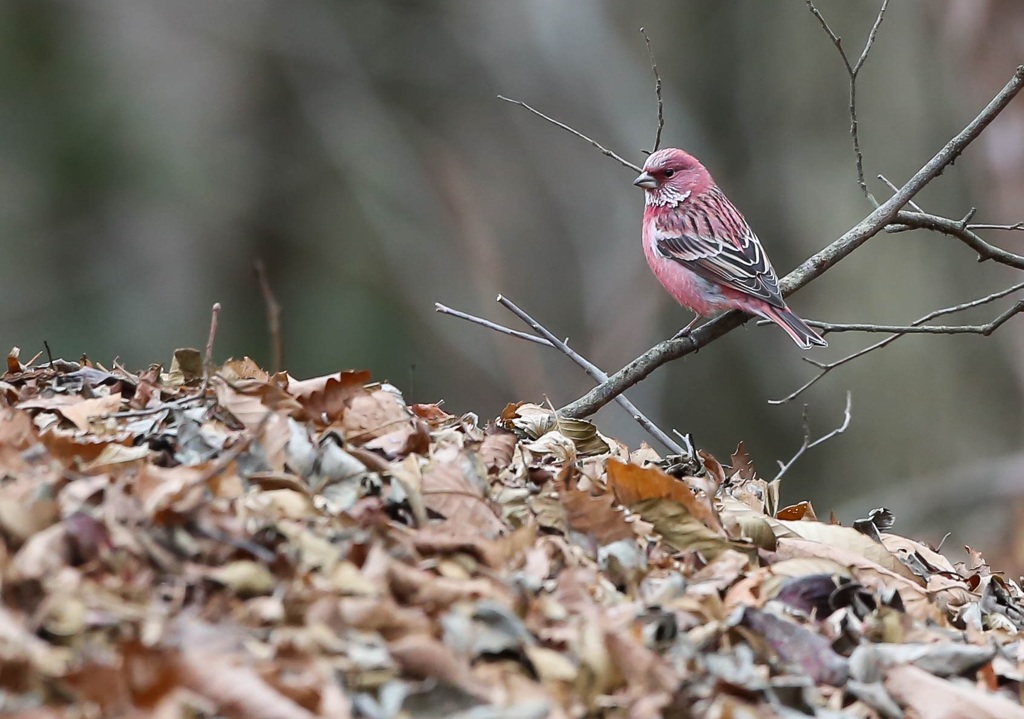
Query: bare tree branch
903 331
591 369
604 150
853 70
657 91
961 230
808 444
809 270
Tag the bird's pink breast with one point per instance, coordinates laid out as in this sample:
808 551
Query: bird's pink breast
688 288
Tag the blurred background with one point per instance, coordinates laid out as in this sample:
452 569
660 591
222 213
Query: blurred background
150 152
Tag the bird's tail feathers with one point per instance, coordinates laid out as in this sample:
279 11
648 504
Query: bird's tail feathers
795 327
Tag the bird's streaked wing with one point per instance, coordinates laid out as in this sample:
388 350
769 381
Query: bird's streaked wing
711 238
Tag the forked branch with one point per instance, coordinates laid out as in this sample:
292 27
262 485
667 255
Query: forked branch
808 444
595 372
853 69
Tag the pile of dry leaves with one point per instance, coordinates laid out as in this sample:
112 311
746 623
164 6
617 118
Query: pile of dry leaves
253 545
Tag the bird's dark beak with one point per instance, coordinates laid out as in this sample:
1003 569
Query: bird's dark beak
646 180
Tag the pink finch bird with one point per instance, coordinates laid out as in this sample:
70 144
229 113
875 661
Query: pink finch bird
702 250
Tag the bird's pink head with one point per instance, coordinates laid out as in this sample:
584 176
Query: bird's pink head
670 176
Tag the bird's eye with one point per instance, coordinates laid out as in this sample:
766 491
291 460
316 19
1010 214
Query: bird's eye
669 172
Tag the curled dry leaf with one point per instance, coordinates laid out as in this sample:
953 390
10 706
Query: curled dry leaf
713 467
632 484
239 369
432 413
796 512
186 368
741 522
681 531
538 423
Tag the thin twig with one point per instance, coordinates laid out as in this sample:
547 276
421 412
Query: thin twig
445 310
871 38
657 91
853 70
1015 227
208 355
604 150
596 374
273 315
808 444
690 450
214 315
986 330
592 370
913 205
200 394
836 40
809 270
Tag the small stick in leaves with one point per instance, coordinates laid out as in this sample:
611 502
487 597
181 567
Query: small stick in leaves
273 315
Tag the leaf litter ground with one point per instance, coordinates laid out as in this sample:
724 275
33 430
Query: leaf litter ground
258 546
